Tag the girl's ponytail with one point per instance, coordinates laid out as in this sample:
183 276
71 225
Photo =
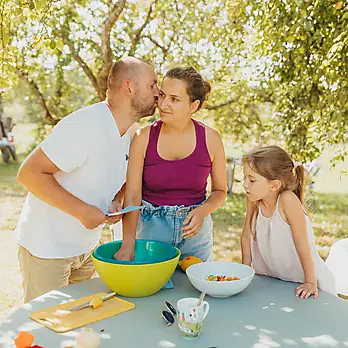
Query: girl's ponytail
301 177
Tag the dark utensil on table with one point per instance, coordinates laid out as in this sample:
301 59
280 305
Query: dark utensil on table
169 315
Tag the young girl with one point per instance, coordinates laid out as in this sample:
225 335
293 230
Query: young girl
277 238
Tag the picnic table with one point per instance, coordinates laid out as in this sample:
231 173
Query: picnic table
266 315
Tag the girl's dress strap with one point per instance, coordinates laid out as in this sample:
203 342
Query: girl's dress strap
277 204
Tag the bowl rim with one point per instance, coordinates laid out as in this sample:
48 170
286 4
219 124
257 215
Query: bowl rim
225 262
177 255
132 262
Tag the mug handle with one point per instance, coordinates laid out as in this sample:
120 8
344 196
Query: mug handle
206 309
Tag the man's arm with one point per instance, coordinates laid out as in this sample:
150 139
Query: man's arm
37 175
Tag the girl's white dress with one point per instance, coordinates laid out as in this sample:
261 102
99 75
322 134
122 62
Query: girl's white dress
274 253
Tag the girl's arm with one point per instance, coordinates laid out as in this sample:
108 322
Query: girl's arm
246 235
218 185
294 213
133 193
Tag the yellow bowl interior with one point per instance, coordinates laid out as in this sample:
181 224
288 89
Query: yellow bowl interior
136 280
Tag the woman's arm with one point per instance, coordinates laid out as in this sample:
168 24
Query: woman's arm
246 235
218 185
133 192
218 172
294 213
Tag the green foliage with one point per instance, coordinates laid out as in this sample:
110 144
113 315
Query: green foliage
278 68
305 43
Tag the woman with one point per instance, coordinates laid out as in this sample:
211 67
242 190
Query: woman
169 164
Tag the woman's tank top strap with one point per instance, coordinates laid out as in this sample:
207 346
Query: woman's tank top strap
176 182
201 139
155 129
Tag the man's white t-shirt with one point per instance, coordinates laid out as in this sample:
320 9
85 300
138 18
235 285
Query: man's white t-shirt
92 156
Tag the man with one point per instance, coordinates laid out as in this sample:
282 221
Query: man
72 178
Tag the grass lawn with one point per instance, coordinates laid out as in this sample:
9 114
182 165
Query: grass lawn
329 215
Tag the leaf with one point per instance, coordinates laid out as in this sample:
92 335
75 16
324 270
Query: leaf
12 49
4 83
52 44
5 37
40 4
26 11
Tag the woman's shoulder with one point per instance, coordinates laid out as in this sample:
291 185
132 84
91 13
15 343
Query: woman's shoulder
213 141
141 136
142 131
211 132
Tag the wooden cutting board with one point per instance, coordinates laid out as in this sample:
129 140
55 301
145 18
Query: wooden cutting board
61 319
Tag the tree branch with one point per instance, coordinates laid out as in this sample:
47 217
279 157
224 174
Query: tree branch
218 106
86 69
156 43
138 32
106 48
75 54
41 99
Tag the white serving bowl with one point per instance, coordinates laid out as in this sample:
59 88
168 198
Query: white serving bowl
197 272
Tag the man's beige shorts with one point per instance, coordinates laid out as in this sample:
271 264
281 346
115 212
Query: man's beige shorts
43 275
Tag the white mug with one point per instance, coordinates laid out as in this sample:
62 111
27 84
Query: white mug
190 316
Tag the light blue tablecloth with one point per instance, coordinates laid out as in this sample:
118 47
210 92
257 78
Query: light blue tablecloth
265 315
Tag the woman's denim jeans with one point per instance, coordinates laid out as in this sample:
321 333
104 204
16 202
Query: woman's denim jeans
165 223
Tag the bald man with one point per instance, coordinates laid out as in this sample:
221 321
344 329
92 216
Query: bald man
72 178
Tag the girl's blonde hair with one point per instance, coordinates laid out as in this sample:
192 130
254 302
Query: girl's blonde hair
273 163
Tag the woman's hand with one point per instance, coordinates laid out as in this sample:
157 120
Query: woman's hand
306 290
114 207
126 252
193 222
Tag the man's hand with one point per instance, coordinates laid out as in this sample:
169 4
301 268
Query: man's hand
126 252
92 217
114 207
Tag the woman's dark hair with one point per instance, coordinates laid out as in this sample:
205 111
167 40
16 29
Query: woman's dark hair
197 87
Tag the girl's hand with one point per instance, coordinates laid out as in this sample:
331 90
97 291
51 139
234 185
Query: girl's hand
306 290
193 222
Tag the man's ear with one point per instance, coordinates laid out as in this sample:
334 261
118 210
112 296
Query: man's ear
194 106
127 86
276 185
